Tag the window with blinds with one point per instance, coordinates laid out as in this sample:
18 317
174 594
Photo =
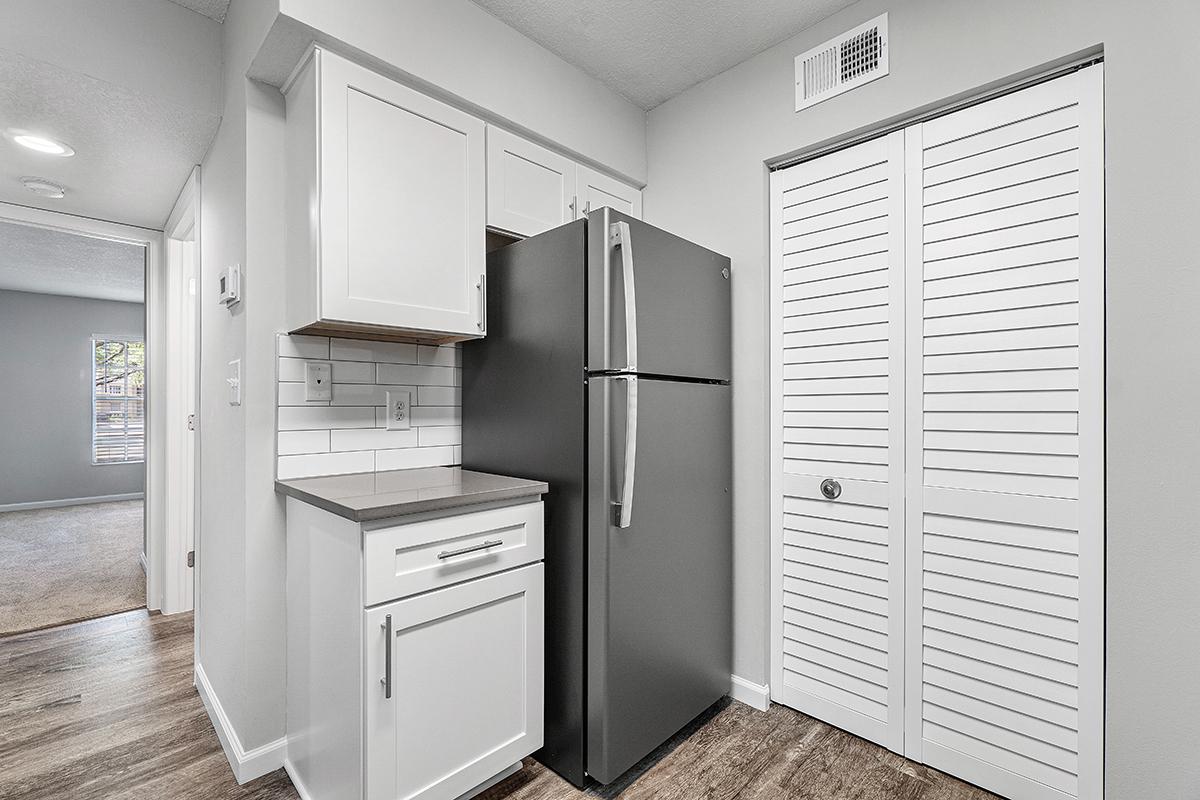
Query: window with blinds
118 401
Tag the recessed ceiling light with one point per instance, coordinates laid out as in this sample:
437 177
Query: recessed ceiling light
42 144
43 187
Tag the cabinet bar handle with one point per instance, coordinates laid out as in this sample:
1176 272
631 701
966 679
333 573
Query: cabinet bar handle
482 287
386 680
462 551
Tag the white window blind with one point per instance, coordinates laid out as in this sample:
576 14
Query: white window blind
118 401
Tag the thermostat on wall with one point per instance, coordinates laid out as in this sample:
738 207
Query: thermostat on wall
229 285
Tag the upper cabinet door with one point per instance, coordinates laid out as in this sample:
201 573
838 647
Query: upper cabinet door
402 187
530 189
597 191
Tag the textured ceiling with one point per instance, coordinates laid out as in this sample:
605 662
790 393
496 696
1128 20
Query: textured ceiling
213 9
36 259
652 51
132 152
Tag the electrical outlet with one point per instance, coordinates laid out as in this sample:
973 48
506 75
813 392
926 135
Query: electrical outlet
318 381
399 411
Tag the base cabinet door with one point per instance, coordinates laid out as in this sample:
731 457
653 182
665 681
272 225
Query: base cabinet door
463 698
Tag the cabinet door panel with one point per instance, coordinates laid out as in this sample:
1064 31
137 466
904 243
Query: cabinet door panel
466 699
402 205
597 191
530 189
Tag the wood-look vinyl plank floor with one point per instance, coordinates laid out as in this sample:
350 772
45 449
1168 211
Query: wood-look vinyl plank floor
105 709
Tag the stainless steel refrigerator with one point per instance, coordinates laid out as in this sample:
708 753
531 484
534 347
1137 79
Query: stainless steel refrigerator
605 372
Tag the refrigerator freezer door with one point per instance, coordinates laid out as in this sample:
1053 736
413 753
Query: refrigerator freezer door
682 296
659 590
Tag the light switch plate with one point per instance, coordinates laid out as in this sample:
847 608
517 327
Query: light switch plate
318 381
399 411
233 377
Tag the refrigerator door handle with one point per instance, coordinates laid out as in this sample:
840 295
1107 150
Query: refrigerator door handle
619 237
625 515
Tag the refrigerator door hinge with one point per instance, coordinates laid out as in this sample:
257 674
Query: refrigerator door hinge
191 559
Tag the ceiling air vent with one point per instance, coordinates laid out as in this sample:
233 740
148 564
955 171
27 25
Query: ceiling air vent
856 57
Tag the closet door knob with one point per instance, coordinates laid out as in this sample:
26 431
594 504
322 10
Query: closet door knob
831 489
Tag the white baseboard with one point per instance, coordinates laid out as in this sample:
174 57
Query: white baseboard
246 765
752 694
142 561
70 501
301 789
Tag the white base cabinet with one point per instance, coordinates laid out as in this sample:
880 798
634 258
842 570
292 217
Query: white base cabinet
424 697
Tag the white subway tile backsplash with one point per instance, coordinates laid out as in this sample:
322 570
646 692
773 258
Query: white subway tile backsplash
373 439
380 352
439 396
293 443
292 369
349 434
444 356
353 372
358 394
419 375
436 415
309 466
435 436
292 394
312 347
412 457
306 418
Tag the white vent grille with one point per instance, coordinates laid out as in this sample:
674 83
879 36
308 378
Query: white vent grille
852 59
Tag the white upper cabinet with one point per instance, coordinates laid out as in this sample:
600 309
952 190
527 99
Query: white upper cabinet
530 189
596 190
533 189
388 193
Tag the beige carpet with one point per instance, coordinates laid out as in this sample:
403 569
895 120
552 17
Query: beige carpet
60 565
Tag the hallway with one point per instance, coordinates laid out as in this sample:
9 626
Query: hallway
106 709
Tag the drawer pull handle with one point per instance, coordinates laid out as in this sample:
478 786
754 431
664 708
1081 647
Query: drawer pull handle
462 551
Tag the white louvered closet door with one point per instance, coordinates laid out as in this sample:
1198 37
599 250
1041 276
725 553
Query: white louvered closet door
1004 576
837 297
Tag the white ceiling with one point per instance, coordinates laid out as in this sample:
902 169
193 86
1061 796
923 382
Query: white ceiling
213 9
133 152
51 262
651 50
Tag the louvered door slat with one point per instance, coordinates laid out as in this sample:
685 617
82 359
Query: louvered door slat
1004 349
838 288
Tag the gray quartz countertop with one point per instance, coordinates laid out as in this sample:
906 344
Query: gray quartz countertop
366 496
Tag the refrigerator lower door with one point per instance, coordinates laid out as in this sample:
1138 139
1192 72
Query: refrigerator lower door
660 589
657 304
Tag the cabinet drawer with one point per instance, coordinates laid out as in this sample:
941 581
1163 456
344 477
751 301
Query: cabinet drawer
416 557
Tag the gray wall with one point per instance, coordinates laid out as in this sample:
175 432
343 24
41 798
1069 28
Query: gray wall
707 181
45 406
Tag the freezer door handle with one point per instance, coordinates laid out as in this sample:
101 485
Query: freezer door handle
619 237
625 513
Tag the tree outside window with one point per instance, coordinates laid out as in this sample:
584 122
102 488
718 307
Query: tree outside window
118 401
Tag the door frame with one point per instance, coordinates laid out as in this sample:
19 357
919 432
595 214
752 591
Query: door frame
181 487
154 519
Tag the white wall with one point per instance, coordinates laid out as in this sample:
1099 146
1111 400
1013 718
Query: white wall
479 63
46 406
707 181
240 539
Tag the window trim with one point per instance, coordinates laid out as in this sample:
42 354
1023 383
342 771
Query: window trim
126 339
